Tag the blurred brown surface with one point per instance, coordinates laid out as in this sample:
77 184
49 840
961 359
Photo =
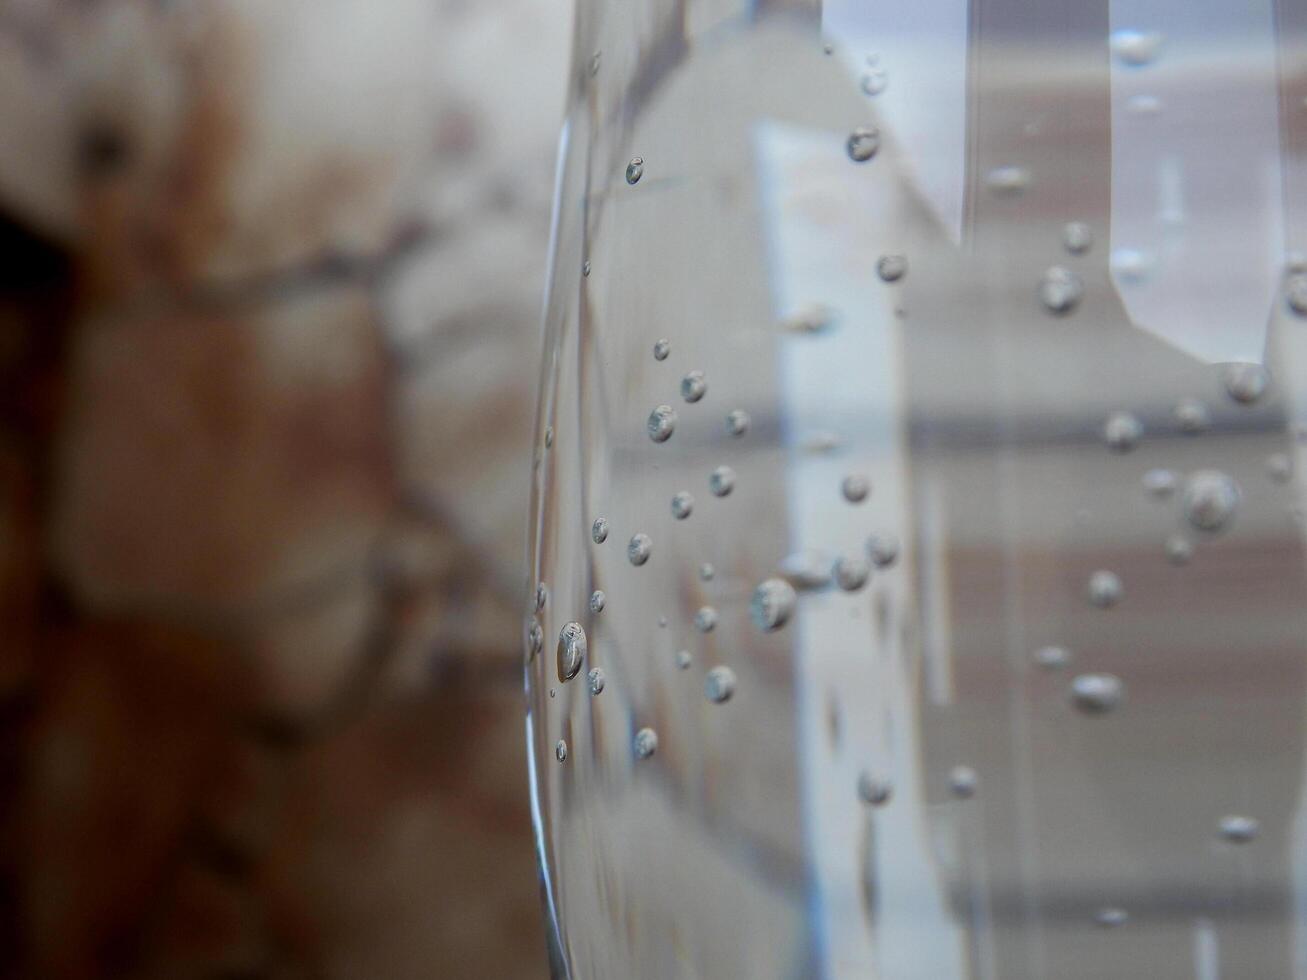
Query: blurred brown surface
268 342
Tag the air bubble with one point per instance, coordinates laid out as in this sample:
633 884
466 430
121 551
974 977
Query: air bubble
682 505
683 659
1052 657
1077 237
596 680
863 143
535 640
1104 589
1210 500
542 596
693 386
637 551
1237 829
1111 917
1178 549
891 268
585 267
560 750
662 423
1008 180
705 620
737 422
635 170
875 81
883 549
1160 482
809 320
645 743
851 573
1191 415
594 64
855 488
661 348
1060 290
721 481
807 570
719 685
873 791
1295 294
597 601
1279 467
599 530
571 651
706 571
1135 48
1122 432
1097 694
772 604
549 437
1245 382
963 782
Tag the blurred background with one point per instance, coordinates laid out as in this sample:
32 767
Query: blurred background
269 336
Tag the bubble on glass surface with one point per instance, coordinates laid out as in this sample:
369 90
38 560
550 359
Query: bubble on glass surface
635 170
863 143
639 547
807 570
1245 382
1132 265
1060 290
719 684
542 596
684 660
1135 48
873 791
855 488
883 549
874 81
549 437
1077 237
661 348
682 505
599 530
891 268
1122 432
662 423
705 620
851 572
1191 416
1210 500
571 651
596 680
535 640
560 750
1097 694
1279 467
1008 180
693 386
1052 657
1160 482
1104 589
737 422
721 481
1178 549
963 782
645 743
707 571
597 601
811 319
1295 294
585 267
1111 917
772 604
1238 829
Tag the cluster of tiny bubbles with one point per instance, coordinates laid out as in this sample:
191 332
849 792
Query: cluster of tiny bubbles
1097 694
662 423
549 437
772 604
807 570
645 743
1279 467
571 651
1191 416
1237 829
1210 500
597 601
635 170
682 505
737 422
1122 432
1159 482
637 550
863 143
855 488
1178 549
719 684
1060 290
705 620
721 481
1008 180
811 319
1052 657
535 640
585 267
1077 237
1135 48
1104 589
1111 917
963 782
662 347
1245 382
560 750
891 268
873 791
883 549
596 679
599 530
542 596
874 81
693 386
1295 293
707 571
684 660
851 572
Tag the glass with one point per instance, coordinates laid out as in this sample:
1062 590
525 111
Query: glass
917 574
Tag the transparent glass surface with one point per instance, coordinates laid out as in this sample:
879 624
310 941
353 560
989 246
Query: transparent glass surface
917 569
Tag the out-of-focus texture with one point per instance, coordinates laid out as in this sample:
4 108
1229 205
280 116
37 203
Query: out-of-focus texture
268 336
